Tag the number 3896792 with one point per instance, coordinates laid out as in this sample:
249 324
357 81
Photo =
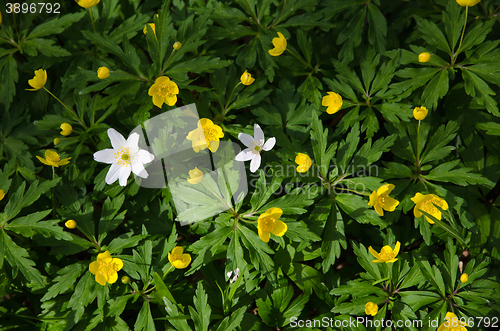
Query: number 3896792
33 8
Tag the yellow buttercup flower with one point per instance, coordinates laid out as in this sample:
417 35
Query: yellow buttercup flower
269 222
371 309
71 224
177 45
333 101
106 268
87 3
464 278
66 129
420 113
246 78
452 323
2 195
53 159
38 81
103 72
279 44
426 203
468 3
195 176
381 200
304 162
424 57
164 91
177 259
152 25
386 253
207 134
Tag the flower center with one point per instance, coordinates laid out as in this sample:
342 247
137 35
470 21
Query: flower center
178 258
164 90
53 158
107 268
268 224
256 147
429 207
123 156
386 254
210 134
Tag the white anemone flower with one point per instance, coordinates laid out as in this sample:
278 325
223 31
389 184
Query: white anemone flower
124 157
255 146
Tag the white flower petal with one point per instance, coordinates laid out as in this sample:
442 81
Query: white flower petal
123 175
145 156
245 155
138 169
258 133
133 142
105 156
255 163
113 173
246 139
269 144
117 140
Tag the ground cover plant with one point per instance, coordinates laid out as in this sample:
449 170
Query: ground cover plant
250 165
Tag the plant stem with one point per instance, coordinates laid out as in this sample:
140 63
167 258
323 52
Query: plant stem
301 60
70 110
461 37
166 64
418 146
224 111
277 20
92 18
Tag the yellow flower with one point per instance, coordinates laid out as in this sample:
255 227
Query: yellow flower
279 44
71 224
38 81
381 200
468 3
386 253
164 91
103 72
371 309
269 223
195 176
177 45
207 134
304 162
2 195
452 323
53 159
424 57
66 129
152 25
333 101
106 268
246 78
426 203
87 3
464 278
177 259
420 113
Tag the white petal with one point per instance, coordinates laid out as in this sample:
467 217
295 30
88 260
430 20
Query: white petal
255 164
245 155
269 144
123 176
138 169
133 142
113 173
258 133
246 139
145 156
105 156
117 140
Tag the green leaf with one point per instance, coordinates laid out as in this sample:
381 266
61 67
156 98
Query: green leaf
377 28
201 316
9 79
446 227
333 237
30 225
461 176
145 319
109 221
66 279
179 320
347 148
472 84
207 246
262 191
433 35
55 26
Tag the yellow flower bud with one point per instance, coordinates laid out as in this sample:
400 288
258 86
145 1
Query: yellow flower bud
464 278
424 57
66 129
195 176
57 141
246 78
126 280
71 224
177 45
2 194
420 113
103 72
468 3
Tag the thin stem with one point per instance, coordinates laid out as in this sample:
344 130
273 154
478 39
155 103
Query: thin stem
301 60
228 101
92 18
92 240
70 110
53 172
277 20
390 278
13 43
138 77
418 146
461 37
166 64
346 189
